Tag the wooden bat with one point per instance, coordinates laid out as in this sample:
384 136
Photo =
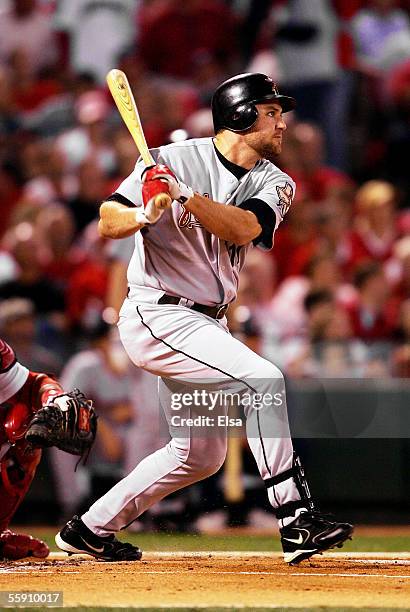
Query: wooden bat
121 92
233 485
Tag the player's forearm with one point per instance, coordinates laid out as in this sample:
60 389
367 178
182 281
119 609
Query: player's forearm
117 221
227 222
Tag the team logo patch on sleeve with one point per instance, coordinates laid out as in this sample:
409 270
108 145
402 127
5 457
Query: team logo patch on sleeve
285 195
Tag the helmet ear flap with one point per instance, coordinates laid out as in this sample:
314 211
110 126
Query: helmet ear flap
243 117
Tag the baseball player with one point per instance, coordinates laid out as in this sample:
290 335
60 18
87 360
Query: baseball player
228 197
23 394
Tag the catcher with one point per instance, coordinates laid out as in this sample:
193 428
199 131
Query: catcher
35 412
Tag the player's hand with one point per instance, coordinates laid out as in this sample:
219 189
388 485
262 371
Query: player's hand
176 189
150 190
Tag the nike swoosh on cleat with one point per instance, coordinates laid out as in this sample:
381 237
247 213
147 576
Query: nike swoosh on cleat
97 550
298 541
298 555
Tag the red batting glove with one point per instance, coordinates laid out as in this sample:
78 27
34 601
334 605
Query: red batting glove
150 190
177 190
159 171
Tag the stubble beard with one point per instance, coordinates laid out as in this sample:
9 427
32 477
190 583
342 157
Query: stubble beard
267 149
270 151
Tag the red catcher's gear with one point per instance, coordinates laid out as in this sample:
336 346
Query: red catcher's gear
18 464
19 545
7 356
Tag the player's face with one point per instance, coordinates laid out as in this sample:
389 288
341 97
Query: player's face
266 135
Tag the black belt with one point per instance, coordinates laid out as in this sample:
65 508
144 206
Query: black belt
215 312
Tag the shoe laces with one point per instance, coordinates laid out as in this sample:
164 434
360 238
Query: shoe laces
121 546
125 550
110 539
320 517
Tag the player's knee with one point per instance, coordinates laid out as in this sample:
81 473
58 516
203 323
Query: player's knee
269 379
180 447
201 456
268 371
268 386
207 456
213 464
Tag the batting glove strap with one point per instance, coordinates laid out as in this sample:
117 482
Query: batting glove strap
141 217
185 193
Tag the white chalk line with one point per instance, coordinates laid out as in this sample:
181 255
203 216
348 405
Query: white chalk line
274 573
238 554
27 570
32 570
401 558
381 561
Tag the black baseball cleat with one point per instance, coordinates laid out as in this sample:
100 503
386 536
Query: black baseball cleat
76 538
312 532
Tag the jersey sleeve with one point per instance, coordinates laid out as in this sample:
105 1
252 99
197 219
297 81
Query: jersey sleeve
12 374
117 197
277 193
266 218
7 357
130 188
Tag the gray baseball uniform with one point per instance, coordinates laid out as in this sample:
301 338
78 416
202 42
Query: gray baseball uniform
177 257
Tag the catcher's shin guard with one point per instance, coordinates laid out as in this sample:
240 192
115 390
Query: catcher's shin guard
297 473
17 469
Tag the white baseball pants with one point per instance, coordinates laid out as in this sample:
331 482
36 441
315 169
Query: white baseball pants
182 346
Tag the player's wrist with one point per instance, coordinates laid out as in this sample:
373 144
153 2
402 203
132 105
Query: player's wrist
150 215
191 202
185 193
141 218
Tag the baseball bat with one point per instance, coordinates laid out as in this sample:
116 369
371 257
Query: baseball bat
233 485
123 97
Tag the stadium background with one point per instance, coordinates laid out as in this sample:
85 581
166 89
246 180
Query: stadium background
330 304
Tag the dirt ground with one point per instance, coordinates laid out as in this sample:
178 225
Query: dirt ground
219 579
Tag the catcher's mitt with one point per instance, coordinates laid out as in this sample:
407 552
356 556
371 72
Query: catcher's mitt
69 423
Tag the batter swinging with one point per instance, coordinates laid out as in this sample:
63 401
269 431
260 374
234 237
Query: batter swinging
228 197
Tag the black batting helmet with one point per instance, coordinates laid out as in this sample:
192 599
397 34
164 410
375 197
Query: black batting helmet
233 103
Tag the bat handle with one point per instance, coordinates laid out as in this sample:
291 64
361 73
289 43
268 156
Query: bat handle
163 200
155 208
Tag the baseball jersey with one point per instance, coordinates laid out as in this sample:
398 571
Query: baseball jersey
180 257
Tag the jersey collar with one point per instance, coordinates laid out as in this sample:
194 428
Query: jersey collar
234 169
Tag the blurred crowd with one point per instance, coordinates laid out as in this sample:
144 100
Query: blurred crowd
332 299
